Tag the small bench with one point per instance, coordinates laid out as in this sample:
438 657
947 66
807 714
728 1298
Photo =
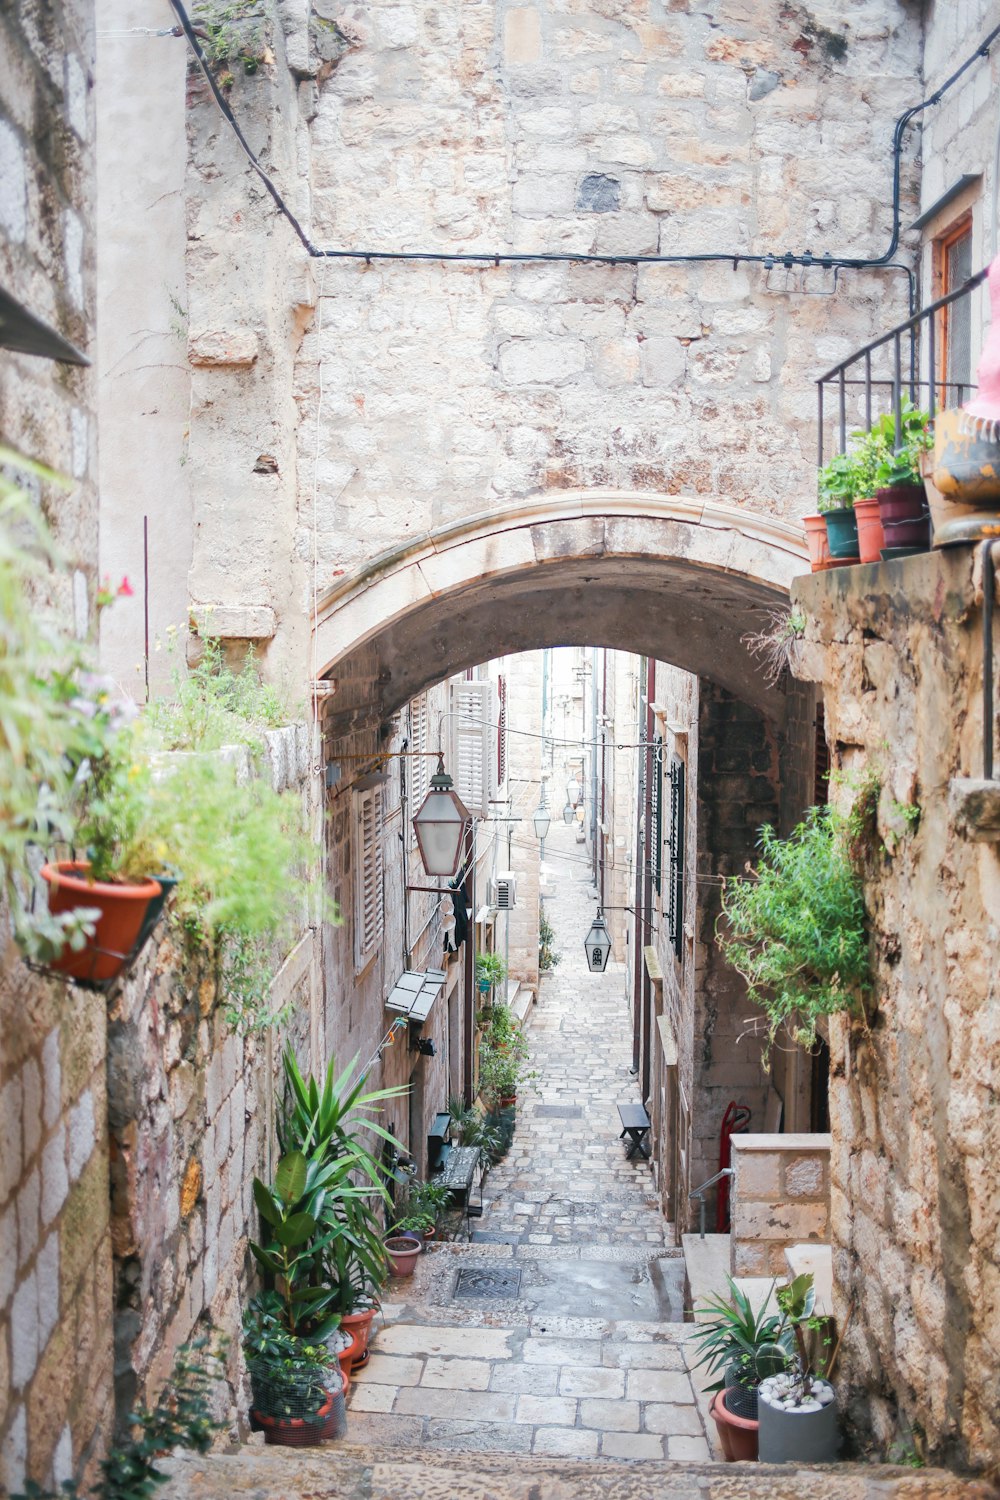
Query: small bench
635 1125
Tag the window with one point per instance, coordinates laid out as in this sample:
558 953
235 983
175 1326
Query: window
675 876
952 269
657 800
368 907
473 742
501 730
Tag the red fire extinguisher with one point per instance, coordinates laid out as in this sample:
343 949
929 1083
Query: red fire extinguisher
736 1121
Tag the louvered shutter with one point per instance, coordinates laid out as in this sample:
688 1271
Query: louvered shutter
501 730
367 874
473 737
420 742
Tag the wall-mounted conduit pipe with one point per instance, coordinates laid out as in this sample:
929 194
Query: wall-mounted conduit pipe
788 260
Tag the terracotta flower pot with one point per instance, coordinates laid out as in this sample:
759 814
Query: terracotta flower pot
335 1425
738 1435
871 537
818 543
360 1325
905 516
123 909
346 1357
403 1254
842 531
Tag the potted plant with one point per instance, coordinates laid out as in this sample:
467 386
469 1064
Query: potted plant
838 485
491 970
402 1250
902 500
797 1407
294 1383
741 1347
795 926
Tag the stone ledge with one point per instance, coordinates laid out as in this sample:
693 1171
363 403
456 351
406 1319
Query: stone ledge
812 1144
974 808
235 622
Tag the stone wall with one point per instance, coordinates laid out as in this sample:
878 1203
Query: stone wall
915 1162
533 128
55 1248
780 1196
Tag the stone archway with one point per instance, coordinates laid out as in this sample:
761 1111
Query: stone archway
670 576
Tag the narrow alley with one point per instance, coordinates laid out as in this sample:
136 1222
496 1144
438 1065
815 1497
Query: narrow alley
569 1340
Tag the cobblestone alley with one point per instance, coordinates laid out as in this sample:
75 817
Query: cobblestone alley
573 1343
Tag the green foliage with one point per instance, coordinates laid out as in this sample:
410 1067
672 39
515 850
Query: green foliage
48 728
226 36
503 1055
470 1127
796 927
491 969
811 1334
180 1419
737 1339
290 1376
212 706
871 461
774 645
548 958
916 438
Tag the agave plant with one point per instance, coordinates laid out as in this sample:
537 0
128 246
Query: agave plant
737 1340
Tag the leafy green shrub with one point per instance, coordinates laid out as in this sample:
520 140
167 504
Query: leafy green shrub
795 927
548 958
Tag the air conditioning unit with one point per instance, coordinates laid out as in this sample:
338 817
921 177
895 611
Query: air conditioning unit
503 892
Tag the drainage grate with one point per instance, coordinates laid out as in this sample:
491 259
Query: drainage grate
559 1111
475 1281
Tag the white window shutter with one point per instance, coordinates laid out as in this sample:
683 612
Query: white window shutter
473 737
367 874
421 764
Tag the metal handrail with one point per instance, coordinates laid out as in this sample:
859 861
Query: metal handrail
699 1193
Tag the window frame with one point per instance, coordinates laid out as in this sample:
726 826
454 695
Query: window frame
959 228
368 872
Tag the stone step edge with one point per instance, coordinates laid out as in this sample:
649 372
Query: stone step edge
320 1467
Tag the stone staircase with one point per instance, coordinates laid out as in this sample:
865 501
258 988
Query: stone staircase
350 1472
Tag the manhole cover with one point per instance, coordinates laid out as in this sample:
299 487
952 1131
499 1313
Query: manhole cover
559 1111
474 1281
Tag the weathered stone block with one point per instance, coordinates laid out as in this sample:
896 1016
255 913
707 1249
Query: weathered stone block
236 348
805 1177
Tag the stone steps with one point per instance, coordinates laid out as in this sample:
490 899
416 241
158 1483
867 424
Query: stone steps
349 1472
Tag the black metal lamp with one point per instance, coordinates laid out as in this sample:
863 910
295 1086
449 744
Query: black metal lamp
440 825
597 945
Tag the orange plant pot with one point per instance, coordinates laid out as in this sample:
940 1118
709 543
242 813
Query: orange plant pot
818 543
871 537
122 907
359 1325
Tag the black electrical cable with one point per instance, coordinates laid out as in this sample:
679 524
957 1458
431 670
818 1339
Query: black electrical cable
497 258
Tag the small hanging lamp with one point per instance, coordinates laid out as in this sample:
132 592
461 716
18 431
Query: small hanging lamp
569 816
440 825
541 820
573 791
597 945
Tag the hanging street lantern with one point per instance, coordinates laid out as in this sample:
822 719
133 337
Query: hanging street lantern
569 816
597 945
541 821
573 791
440 825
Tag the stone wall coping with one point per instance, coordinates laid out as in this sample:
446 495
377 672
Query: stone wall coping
808 1144
781 536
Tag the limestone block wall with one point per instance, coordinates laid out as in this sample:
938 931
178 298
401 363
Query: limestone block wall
55 1250
915 1164
780 1196
531 127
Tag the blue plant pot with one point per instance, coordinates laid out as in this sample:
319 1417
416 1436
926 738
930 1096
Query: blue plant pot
842 533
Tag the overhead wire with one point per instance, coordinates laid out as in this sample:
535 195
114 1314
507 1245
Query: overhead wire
788 260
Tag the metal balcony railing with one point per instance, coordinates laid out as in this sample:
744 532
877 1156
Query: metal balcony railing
910 370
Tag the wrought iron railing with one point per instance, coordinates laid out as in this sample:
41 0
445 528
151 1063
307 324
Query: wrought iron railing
910 370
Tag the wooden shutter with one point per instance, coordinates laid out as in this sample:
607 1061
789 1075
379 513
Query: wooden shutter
675 879
473 738
368 911
657 835
501 730
421 766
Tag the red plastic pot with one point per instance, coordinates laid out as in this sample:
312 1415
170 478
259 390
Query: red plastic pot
296 1432
738 1435
123 909
871 537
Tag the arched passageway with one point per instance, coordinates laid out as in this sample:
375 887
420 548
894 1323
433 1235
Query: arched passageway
670 577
